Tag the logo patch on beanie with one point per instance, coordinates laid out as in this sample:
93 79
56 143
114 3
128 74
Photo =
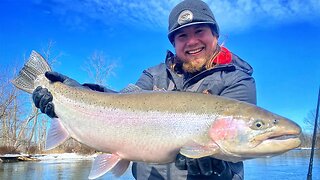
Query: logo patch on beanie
185 17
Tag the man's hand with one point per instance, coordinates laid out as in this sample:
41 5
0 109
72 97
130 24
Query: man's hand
97 87
42 98
57 77
205 166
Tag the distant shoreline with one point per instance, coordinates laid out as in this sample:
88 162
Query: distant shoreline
68 156
45 157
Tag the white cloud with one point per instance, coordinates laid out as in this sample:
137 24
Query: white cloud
231 15
244 14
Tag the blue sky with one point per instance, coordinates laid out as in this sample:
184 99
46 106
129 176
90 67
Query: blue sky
279 38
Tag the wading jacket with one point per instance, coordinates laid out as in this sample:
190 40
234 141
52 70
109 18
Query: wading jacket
230 78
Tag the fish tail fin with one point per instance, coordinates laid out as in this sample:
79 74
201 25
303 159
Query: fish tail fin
35 66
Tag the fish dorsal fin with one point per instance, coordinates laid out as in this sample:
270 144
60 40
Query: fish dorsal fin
155 88
106 162
131 88
198 151
57 134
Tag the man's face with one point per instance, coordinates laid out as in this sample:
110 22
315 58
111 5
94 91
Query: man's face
194 46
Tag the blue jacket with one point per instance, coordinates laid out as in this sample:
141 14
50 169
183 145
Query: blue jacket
232 79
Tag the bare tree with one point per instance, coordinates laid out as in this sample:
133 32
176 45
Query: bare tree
24 126
309 122
11 110
98 68
7 97
17 112
42 129
49 55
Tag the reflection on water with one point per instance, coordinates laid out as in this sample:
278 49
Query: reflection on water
74 169
291 165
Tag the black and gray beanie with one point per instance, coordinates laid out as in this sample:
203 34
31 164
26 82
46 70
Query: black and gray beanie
190 12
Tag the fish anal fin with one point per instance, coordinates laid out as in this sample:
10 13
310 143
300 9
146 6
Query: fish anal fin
106 162
57 134
199 151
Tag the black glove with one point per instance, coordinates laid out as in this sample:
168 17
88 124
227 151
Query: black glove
205 166
42 98
99 88
55 77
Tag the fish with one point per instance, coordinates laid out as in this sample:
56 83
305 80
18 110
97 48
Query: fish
154 126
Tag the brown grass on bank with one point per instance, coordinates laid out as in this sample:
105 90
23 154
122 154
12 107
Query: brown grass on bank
8 150
71 146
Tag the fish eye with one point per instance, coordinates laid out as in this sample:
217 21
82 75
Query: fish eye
258 124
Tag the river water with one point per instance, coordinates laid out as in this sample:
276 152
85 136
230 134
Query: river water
289 166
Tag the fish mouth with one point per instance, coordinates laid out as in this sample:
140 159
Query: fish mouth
277 143
283 137
290 138
281 143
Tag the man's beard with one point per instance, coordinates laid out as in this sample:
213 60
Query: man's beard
194 66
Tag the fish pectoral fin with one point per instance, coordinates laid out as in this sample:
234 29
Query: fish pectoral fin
106 162
198 151
57 134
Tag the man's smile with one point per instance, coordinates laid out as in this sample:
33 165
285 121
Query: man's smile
194 51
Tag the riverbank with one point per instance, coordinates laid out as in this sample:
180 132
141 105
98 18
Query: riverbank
45 157
64 156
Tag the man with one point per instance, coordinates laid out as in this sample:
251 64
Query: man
200 65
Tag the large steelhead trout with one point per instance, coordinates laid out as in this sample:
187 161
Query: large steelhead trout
155 126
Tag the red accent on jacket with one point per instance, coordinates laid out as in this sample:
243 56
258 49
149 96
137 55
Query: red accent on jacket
224 56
